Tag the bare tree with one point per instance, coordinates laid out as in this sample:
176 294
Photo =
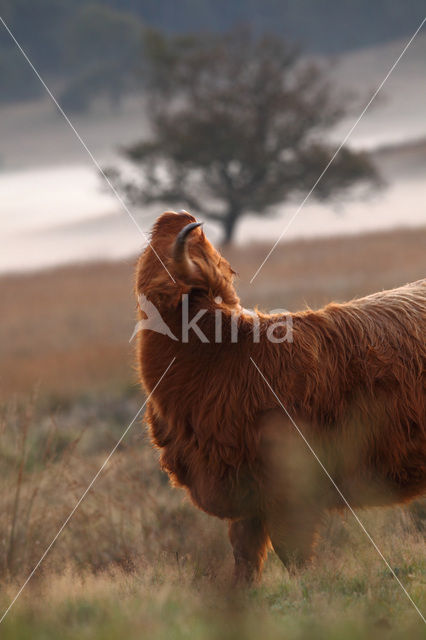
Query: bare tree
237 126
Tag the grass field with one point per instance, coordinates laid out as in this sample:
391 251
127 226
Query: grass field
137 560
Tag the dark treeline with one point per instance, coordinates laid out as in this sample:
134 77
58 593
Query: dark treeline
92 47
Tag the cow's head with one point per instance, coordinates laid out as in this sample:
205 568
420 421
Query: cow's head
180 259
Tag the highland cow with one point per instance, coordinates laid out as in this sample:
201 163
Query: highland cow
352 379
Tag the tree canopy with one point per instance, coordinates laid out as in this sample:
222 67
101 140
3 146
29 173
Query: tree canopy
237 125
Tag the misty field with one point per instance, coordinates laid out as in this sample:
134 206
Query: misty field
137 559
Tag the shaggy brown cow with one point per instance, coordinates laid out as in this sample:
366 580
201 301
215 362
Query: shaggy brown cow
352 378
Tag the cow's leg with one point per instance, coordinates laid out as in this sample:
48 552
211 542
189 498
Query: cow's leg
249 541
292 489
292 533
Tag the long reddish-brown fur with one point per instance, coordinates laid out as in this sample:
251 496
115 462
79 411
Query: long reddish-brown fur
353 380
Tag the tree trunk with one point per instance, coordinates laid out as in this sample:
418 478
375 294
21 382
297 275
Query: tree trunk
229 223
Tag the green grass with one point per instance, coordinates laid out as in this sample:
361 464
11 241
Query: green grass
139 561
166 601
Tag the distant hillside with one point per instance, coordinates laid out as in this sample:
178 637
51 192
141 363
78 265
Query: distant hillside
90 48
325 26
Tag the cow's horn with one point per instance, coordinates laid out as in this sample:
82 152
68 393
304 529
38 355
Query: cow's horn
180 251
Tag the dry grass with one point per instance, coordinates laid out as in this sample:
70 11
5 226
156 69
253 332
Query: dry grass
137 560
66 331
